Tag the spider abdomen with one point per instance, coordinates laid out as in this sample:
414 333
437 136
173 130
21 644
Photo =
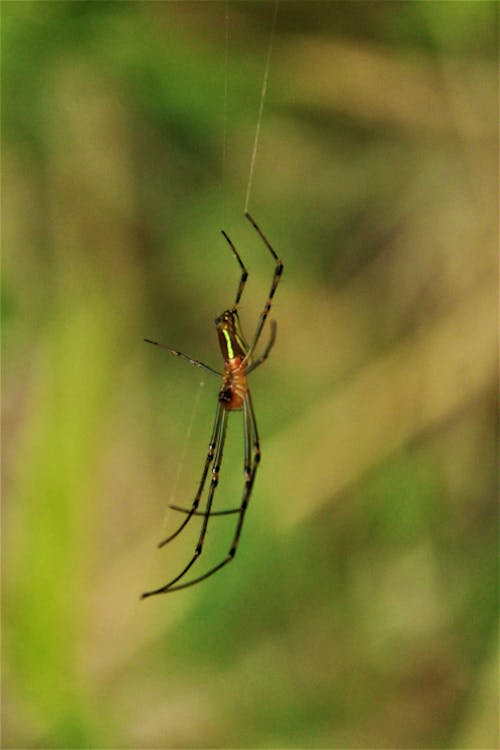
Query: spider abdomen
234 385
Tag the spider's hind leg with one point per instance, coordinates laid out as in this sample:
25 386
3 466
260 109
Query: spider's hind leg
219 435
251 464
208 461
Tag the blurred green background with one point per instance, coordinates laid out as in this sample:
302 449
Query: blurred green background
361 610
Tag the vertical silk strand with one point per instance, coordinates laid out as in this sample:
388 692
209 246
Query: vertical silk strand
224 110
182 460
261 106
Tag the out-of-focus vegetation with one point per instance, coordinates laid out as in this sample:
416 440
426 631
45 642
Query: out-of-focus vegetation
361 610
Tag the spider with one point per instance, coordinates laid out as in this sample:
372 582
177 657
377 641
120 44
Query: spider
234 395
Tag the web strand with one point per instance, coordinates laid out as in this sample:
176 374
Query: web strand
224 115
261 106
182 460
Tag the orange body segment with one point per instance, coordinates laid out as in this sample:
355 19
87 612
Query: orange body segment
235 385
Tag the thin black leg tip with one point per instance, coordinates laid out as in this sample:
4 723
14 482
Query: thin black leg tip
155 592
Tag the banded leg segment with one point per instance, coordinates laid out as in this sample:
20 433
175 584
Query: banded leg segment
244 272
265 353
191 361
276 279
214 441
251 470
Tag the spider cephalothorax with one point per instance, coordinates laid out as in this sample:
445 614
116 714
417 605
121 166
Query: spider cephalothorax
234 395
231 340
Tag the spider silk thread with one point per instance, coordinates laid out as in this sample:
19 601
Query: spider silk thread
182 459
224 111
261 106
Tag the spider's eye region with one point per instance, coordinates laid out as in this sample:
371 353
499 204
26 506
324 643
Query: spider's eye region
224 319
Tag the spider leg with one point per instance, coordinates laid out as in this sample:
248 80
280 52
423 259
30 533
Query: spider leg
253 366
195 362
247 455
252 461
276 279
251 466
221 436
203 513
265 353
214 441
244 272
